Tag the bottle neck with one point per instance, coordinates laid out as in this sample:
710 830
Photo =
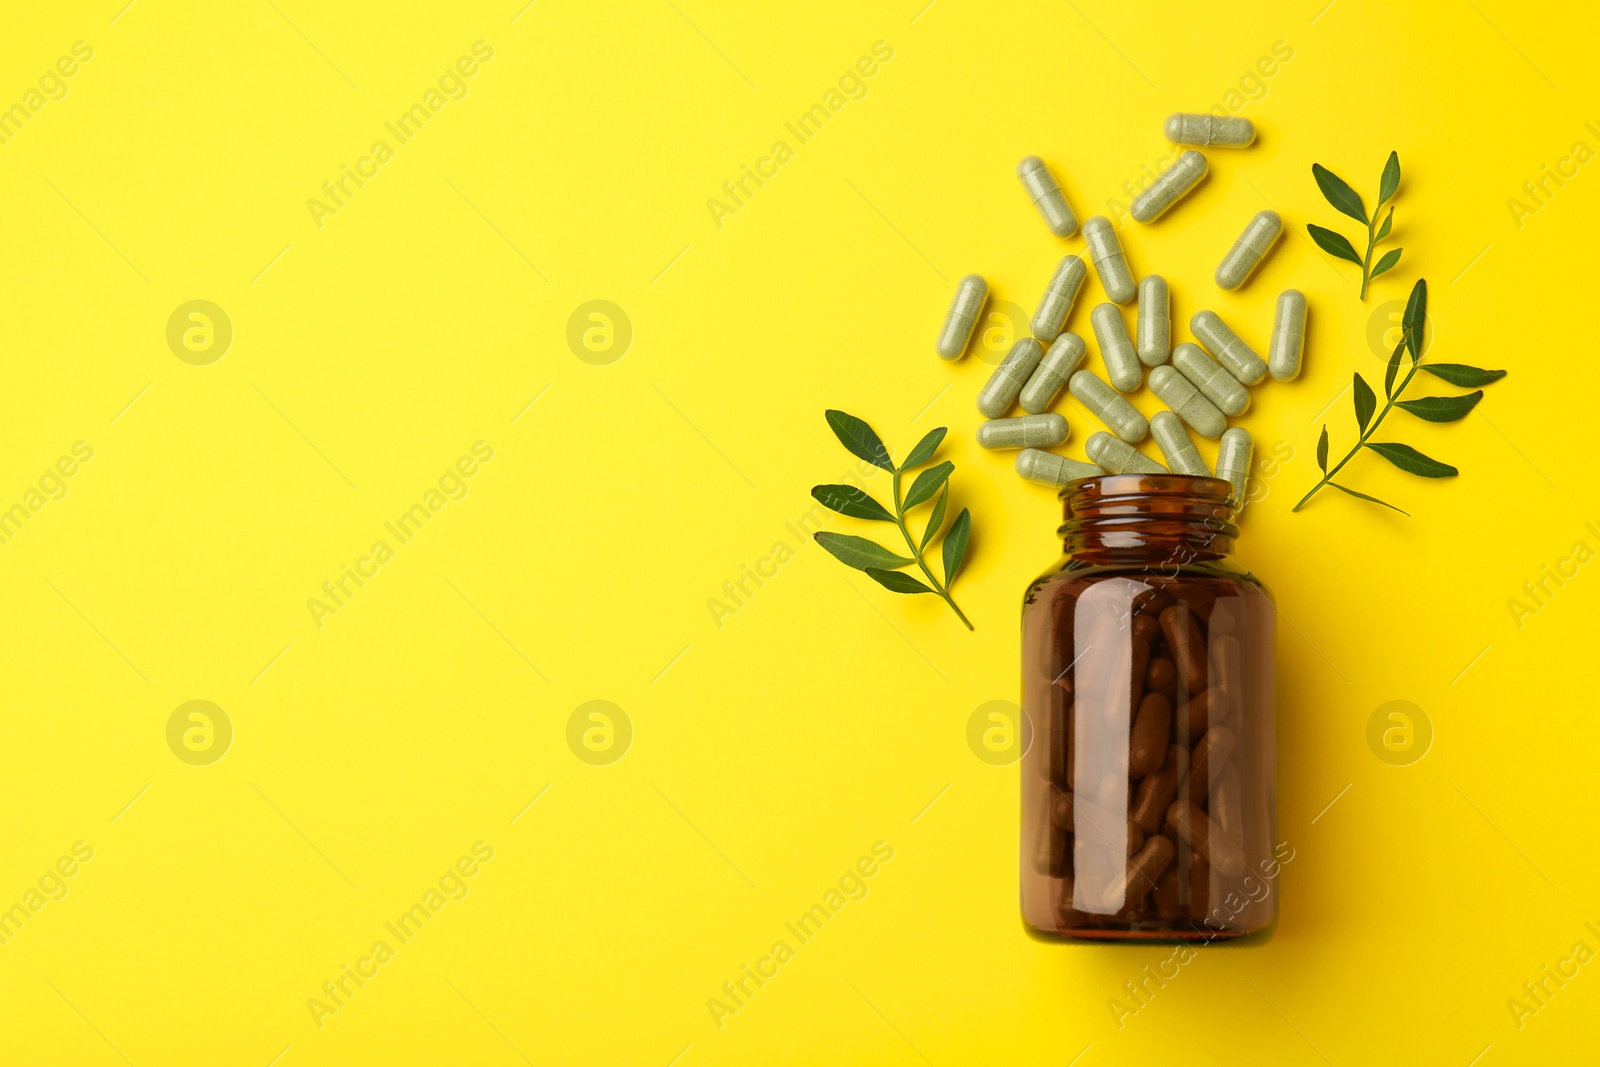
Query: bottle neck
1148 519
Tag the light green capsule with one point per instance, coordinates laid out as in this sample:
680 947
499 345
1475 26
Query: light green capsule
1214 383
1047 468
1054 370
1250 249
1155 321
1111 406
1119 457
1170 186
1105 252
962 317
1179 394
1233 462
1006 382
1224 132
1181 454
1236 357
1116 348
1056 303
1027 431
1288 336
1045 192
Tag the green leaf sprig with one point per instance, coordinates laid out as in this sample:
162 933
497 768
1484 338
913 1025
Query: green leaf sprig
1347 201
880 564
1428 408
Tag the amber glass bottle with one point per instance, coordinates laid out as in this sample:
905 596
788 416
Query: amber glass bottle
1148 807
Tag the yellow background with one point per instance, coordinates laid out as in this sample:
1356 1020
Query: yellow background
772 751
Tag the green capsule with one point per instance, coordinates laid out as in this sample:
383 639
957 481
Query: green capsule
962 317
1236 357
1116 348
1224 132
1028 431
1047 468
1119 457
1105 252
1155 321
1233 462
1214 383
1170 186
1006 382
1051 376
1056 303
1288 336
1179 394
1045 192
1250 249
1111 406
1174 441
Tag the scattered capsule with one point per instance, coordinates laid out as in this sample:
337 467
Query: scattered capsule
1238 358
1045 192
1116 348
1224 132
1179 394
1047 468
962 317
1000 392
1112 407
1056 303
1288 336
1105 252
1119 457
1027 431
1214 383
1233 461
1170 186
1155 321
1051 376
1174 442
1250 249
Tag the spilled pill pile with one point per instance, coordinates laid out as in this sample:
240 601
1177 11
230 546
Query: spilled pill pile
1202 384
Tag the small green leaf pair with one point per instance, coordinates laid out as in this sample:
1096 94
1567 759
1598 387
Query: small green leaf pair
880 564
1428 408
1347 201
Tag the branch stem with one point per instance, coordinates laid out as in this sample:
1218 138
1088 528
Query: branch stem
916 552
1372 426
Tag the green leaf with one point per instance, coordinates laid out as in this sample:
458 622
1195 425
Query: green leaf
1411 461
860 439
1441 408
936 518
1322 450
1389 259
1340 195
1463 375
896 582
1390 180
1383 231
925 449
1363 496
1394 367
1415 319
848 500
955 546
1366 403
860 553
927 484
1335 244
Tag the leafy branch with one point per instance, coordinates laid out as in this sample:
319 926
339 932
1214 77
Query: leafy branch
1347 201
1429 408
880 564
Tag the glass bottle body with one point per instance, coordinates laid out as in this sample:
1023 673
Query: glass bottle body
1148 794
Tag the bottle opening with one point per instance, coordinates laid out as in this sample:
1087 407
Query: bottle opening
1148 517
